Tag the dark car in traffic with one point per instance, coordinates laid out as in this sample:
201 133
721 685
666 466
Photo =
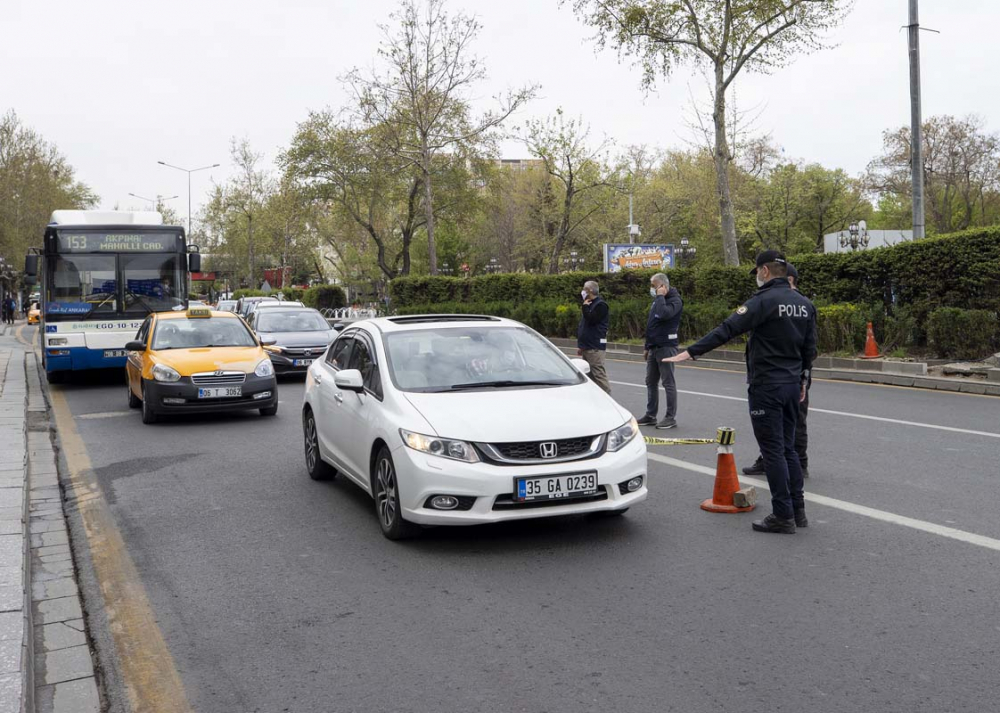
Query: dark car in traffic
300 334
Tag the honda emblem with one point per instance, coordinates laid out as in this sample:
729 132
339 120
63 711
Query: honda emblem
549 449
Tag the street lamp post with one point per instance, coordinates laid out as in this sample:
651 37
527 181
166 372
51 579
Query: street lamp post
189 171
157 202
493 266
857 238
574 261
687 251
446 270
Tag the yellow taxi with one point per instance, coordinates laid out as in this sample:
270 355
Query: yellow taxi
198 360
33 313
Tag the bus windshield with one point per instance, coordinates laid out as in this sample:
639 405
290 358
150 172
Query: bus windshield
82 284
153 283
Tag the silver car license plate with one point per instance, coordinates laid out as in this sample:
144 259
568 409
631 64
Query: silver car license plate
222 392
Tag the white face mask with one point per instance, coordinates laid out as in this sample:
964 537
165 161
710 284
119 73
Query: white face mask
760 281
652 292
583 295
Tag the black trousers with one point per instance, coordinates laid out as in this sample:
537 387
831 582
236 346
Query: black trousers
774 413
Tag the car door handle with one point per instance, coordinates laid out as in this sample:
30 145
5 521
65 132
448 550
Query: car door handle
339 396
318 378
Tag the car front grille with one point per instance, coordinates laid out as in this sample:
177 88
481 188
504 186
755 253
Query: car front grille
555 451
215 378
306 352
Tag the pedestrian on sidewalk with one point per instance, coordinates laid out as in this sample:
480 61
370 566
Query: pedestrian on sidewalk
779 354
662 327
592 334
801 431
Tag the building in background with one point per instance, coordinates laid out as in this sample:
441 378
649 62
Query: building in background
840 242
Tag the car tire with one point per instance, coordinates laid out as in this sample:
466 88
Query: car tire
148 414
317 468
133 400
385 488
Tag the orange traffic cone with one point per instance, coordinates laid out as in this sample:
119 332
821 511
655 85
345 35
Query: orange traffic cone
871 346
726 482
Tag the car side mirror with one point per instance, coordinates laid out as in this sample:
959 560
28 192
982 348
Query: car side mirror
340 326
349 380
268 342
135 346
581 366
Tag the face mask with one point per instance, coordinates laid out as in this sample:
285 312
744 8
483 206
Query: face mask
583 295
652 292
760 282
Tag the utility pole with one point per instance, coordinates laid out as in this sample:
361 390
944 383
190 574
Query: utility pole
916 149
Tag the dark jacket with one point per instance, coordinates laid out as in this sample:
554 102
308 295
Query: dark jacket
664 320
782 326
593 330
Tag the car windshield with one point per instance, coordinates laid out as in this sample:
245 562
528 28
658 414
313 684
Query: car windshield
278 320
186 333
459 358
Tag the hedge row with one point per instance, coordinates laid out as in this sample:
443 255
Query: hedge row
319 296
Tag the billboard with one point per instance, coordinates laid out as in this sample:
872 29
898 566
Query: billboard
622 256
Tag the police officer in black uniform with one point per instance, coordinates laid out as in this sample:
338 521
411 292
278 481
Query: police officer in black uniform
779 355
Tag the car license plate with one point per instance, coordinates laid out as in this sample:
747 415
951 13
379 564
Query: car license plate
302 362
112 353
223 392
555 487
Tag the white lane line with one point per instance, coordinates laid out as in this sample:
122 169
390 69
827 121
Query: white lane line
103 414
901 520
988 434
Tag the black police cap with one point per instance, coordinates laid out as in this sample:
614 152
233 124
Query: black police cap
768 256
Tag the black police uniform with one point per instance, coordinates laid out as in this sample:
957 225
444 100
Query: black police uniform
779 357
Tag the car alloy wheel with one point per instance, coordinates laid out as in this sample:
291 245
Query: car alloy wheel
390 516
148 414
318 468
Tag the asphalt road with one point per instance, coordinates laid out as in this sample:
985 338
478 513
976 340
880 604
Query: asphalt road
276 593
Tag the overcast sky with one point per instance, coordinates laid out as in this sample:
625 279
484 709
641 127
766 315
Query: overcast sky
121 84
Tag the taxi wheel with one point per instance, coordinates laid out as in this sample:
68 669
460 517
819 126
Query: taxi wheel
148 414
387 508
318 468
133 400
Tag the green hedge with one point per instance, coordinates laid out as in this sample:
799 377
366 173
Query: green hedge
325 296
964 333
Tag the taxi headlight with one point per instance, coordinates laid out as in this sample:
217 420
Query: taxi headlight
623 435
265 368
162 372
444 447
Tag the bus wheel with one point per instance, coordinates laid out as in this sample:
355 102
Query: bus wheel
148 414
55 377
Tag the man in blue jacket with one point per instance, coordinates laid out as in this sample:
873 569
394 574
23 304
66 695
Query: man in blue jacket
592 334
661 343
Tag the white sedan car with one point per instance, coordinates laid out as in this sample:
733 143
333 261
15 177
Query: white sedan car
462 420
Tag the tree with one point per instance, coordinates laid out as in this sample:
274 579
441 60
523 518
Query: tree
579 170
731 35
247 194
423 94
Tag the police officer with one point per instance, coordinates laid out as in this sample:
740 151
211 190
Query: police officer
801 432
779 355
662 326
592 334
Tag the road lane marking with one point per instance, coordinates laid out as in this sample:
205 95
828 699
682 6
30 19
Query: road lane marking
988 434
901 520
103 414
151 680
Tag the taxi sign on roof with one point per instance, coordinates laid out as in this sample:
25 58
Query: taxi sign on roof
197 312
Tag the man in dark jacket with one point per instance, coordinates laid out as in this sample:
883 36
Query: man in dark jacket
779 355
661 342
592 334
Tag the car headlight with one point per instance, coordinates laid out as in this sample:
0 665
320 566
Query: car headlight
621 436
265 368
162 372
444 447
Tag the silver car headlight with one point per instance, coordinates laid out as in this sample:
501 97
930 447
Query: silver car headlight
162 372
623 435
444 447
265 368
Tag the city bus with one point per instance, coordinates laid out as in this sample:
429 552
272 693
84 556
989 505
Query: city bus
100 274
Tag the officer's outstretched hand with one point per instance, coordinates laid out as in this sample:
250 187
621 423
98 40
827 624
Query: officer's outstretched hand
683 356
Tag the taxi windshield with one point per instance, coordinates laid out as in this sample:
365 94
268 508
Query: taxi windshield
186 333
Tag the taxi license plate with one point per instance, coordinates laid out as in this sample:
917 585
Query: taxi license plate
223 392
302 362
555 487
112 353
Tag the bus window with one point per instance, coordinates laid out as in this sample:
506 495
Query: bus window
153 283
86 283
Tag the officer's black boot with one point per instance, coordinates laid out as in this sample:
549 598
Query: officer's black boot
800 518
757 468
774 524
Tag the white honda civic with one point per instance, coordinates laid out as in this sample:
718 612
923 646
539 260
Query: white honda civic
461 420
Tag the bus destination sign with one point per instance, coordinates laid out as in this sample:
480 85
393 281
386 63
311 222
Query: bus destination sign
118 242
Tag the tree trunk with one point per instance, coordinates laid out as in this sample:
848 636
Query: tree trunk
429 212
722 160
563 232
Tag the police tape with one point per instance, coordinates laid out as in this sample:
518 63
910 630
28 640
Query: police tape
723 437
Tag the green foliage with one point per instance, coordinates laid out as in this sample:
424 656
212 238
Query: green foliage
963 333
840 328
292 293
240 294
325 297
